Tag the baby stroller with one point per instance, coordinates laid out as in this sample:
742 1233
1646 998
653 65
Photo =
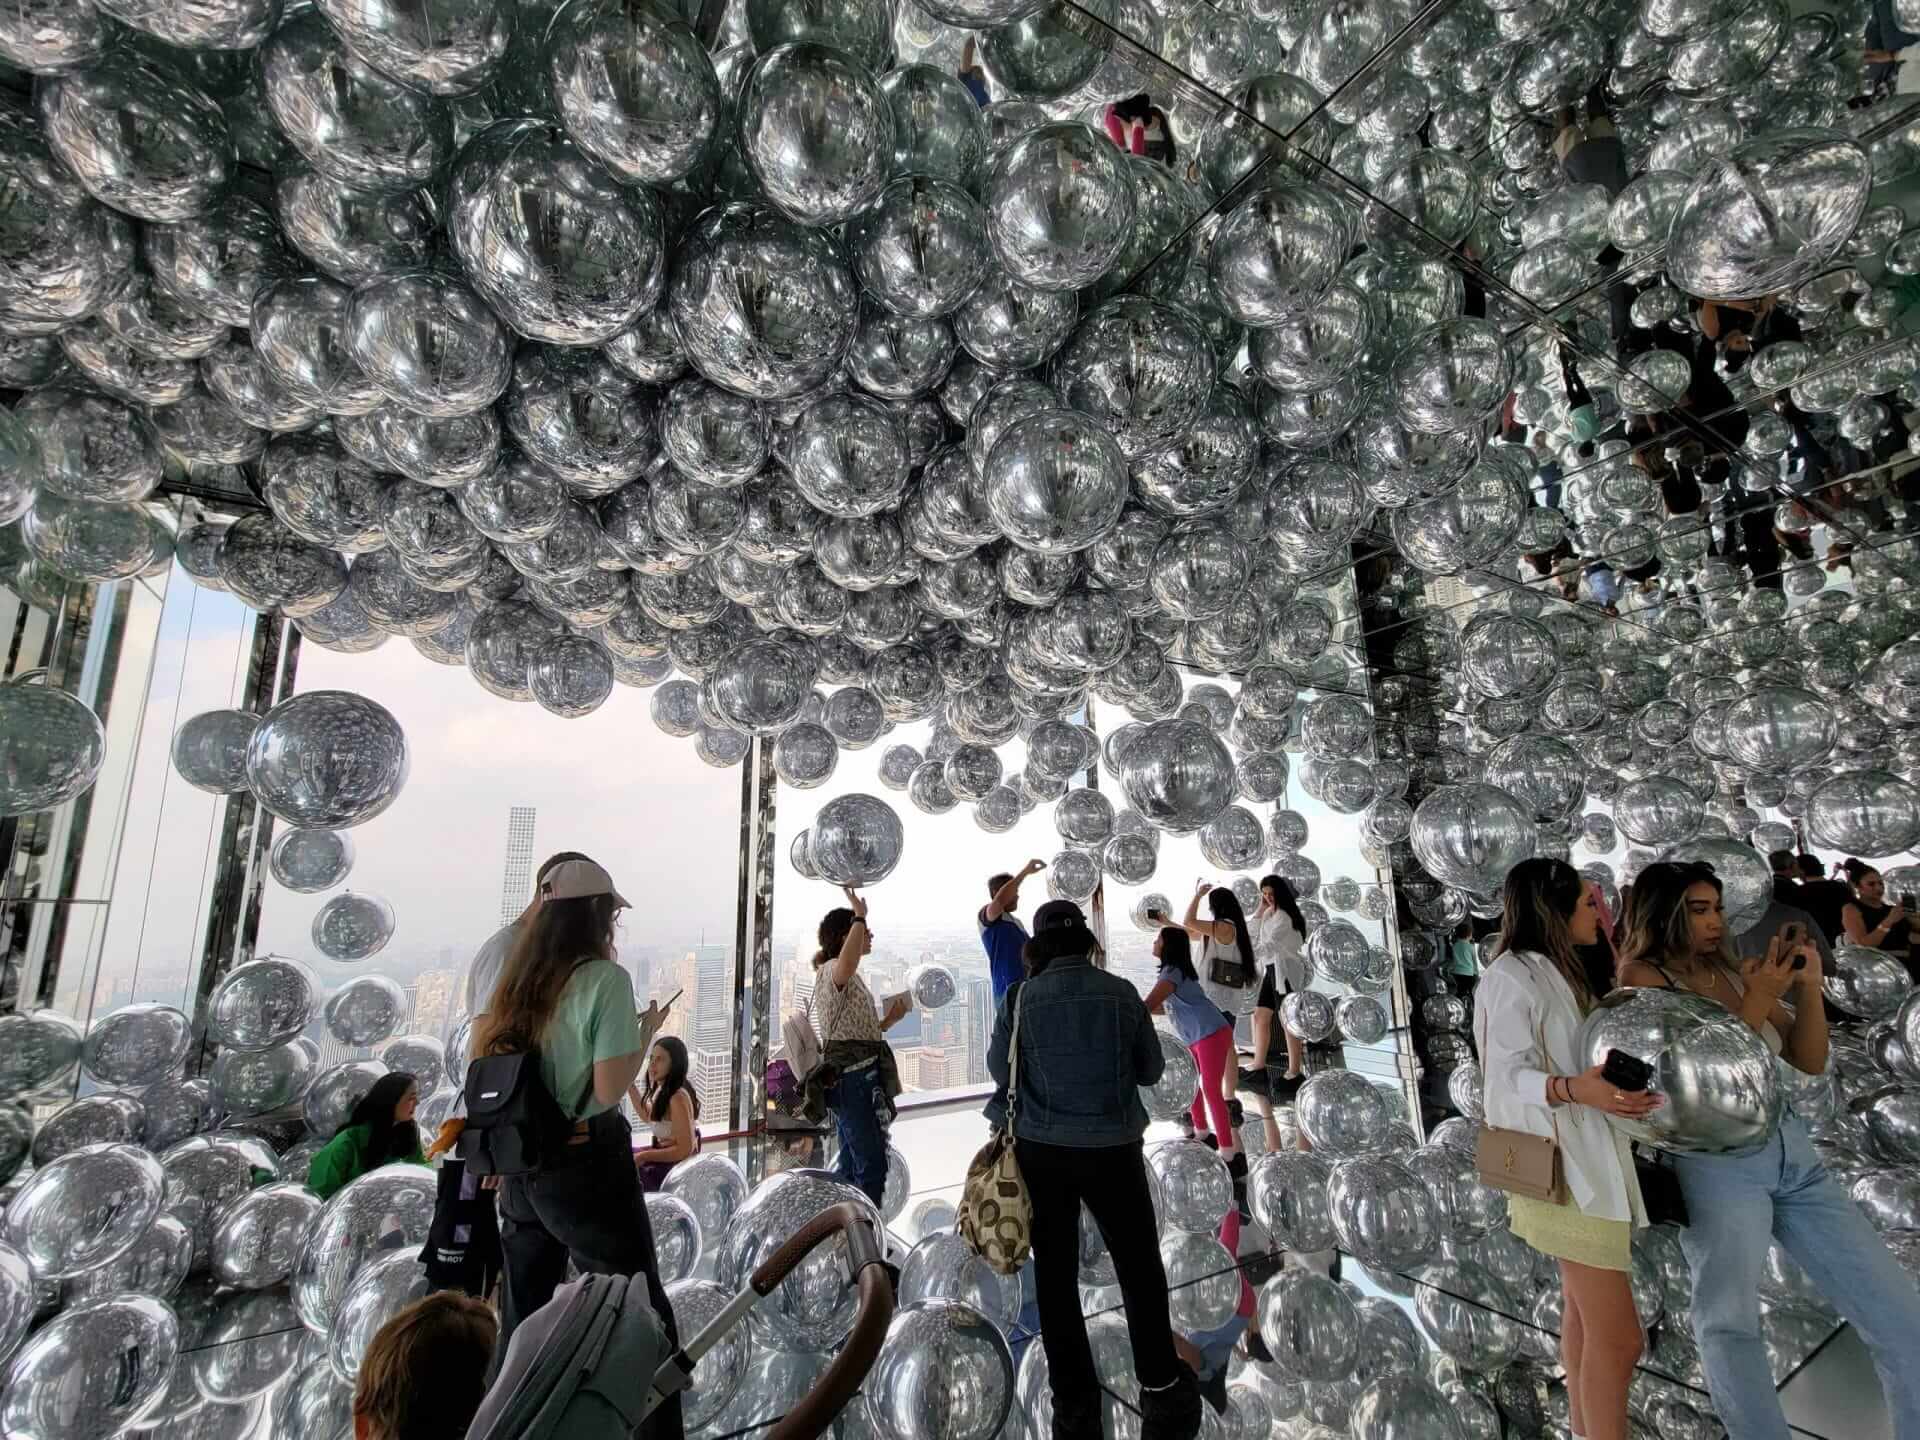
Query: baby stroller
593 1363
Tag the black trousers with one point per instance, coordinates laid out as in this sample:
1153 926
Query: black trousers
1112 1182
589 1210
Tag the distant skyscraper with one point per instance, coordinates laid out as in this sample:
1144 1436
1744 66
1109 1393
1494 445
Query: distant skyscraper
516 876
711 1002
979 1026
712 1077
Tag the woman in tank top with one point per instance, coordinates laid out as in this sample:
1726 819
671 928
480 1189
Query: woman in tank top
1677 938
669 1108
1868 920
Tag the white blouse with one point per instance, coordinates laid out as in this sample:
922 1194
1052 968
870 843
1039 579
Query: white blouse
1522 998
1278 944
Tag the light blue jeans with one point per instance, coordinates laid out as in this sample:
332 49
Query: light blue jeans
1783 1190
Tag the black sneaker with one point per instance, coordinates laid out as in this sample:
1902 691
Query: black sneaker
1237 1113
1237 1170
1212 1142
1172 1413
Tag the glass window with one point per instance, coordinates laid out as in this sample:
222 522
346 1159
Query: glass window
494 789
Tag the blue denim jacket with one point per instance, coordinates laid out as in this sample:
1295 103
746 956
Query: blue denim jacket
1087 1045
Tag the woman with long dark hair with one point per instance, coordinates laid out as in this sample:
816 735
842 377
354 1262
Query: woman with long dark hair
379 1132
561 995
670 1108
1279 935
1203 1027
1737 1204
1084 1045
1867 919
857 1078
1527 1017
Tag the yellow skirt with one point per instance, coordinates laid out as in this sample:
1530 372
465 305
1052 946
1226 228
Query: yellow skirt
1564 1233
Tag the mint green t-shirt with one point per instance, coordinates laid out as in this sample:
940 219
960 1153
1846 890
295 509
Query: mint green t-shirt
594 1020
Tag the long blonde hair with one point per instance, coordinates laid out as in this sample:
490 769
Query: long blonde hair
1541 896
1657 929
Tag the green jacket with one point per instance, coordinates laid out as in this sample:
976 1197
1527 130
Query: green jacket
344 1159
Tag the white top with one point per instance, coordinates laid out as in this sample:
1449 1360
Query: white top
483 975
1278 944
1523 998
1233 1002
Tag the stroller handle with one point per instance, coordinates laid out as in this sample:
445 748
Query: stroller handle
819 1407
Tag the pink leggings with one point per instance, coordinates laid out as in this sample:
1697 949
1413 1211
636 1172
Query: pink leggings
1213 1054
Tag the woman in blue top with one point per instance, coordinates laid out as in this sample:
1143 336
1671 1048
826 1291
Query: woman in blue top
1205 1030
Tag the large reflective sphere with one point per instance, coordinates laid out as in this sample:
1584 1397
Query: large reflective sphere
1178 775
812 1309
51 748
1769 215
944 1373
1716 1074
765 307
261 1004
1056 482
816 132
352 1232
856 840
634 87
96 1370
1059 207
327 758
1470 836
85 1209
558 250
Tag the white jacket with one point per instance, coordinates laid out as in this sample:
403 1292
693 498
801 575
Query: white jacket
1522 997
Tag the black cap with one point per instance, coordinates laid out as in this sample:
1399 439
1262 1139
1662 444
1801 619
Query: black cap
1058 915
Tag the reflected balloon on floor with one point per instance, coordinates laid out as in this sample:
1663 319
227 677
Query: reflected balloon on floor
944 1372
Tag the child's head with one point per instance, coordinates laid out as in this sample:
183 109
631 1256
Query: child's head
424 1375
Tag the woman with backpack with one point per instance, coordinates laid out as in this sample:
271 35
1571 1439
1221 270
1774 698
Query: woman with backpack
380 1131
562 997
857 1078
670 1108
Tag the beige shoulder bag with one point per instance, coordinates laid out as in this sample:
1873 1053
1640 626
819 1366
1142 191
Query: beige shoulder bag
996 1212
1519 1162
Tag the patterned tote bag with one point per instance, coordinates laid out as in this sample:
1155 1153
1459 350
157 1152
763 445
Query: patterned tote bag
996 1213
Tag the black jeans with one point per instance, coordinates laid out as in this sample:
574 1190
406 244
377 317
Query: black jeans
1112 1181
588 1209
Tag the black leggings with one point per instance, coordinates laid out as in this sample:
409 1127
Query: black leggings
1112 1182
589 1209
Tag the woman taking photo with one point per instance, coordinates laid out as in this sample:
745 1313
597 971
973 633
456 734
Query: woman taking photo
1527 1016
1203 1027
562 995
669 1108
379 1132
1868 920
856 1067
1736 1204
1086 1046
1279 933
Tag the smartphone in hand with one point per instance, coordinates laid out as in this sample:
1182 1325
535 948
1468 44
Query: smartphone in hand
1626 1072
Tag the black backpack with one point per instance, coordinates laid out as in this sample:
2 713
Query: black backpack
514 1125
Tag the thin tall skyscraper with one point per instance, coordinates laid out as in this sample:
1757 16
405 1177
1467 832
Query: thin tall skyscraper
516 876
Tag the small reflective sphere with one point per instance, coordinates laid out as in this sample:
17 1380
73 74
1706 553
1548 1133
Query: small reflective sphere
210 750
1278 254
943 1266
1718 1078
1657 810
138 136
676 1236
1451 376
1178 775
805 755
1381 1213
308 861
327 758
366 1010
1169 1096
1864 982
